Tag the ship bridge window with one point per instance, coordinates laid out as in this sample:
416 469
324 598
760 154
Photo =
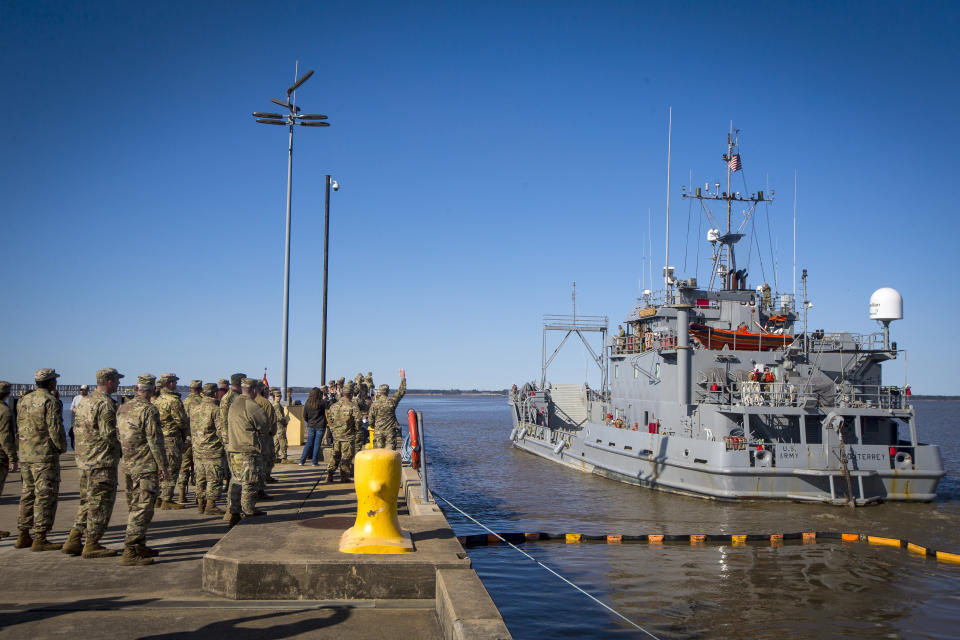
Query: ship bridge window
878 430
774 428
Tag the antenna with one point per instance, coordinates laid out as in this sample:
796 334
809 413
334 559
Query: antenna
650 245
795 178
666 258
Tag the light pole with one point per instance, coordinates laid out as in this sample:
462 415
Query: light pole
304 120
326 248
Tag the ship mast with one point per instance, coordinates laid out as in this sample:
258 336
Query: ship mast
724 255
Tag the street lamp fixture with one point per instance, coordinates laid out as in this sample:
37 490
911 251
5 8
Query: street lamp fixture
291 118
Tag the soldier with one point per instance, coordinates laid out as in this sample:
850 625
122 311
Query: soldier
206 431
41 440
765 297
362 402
232 393
8 449
187 475
98 454
246 422
383 415
343 419
145 463
368 380
176 430
222 386
280 440
267 455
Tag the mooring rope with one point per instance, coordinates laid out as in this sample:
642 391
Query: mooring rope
529 557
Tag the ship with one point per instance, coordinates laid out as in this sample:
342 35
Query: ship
721 391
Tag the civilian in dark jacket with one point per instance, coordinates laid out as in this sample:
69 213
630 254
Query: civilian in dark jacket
315 419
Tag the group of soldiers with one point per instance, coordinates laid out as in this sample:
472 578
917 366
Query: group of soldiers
352 415
233 431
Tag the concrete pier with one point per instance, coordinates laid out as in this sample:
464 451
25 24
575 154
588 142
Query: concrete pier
277 576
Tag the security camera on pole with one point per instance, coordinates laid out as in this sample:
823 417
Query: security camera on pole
294 117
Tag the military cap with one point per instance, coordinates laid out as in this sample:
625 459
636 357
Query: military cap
237 378
274 389
341 380
167 377
196 384
108 373
248 383
223 382
146 381
42 375
324 388
4 386
209 389
383 388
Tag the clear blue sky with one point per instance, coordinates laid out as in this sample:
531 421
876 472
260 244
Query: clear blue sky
489 154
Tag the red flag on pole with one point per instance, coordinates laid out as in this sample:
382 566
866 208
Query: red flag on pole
265 383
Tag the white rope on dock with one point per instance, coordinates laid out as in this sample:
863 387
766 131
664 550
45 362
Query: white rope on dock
529 557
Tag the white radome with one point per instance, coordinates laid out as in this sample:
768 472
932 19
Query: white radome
886 304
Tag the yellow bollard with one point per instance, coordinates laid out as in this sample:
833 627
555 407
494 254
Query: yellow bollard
377 529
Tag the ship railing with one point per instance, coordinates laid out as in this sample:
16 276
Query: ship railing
847 342
785 394
571 322
640 343
871 397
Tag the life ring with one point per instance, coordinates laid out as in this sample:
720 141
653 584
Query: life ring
414 439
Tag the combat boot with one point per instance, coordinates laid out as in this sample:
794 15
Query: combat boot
132 559
158 502
263 495
254 513
74 545
200 504
233 521
183 495
211 509
328 477
271 480
93 549
23 540
167 505
40 543
146 552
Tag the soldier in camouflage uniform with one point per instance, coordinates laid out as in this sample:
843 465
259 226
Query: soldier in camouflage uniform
98 454
280 440
246 423
343 419
176 429
232 393
362 402
223 385
206 431
383 415
187 466
267 455
41 440
8 448
145 462
368 380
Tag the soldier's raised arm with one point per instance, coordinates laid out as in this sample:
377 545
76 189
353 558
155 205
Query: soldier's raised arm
403 386
154 436
55 426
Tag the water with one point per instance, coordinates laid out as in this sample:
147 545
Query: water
826 590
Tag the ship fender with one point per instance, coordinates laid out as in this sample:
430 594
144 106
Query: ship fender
560 447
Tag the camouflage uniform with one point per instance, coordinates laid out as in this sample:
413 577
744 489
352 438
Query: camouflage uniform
8 448
42 440
245 424
343 418
206 431
383 417
225 403
187 475
144 455
265 443
176 429
361 402
280 440
98 454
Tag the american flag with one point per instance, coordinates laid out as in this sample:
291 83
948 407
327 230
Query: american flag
734 162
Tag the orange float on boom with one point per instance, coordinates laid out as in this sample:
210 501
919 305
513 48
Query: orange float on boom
414 439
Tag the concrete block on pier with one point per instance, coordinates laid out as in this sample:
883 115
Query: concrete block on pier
465 609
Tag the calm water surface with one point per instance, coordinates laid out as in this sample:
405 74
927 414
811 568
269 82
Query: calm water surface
827 590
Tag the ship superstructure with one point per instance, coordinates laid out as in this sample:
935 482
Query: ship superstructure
721 391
